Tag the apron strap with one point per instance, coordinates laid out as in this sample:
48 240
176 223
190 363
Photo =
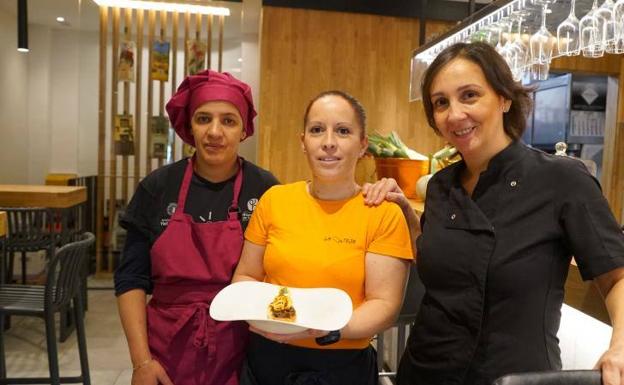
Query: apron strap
186 182
234 210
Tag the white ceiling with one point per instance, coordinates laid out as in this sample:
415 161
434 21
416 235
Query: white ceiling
83 14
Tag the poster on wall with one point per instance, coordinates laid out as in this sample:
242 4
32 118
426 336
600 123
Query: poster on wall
125 68
159 140
187 150
160 60
195 56
124 135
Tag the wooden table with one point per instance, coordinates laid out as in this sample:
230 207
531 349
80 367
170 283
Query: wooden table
58 197
3 224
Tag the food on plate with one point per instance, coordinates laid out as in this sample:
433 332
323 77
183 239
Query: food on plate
281 308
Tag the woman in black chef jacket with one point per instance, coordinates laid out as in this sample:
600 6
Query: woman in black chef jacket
185 233
498 233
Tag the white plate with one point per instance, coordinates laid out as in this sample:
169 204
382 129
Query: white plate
318 308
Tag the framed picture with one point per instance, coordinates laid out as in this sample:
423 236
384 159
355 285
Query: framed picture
160 60
124 135
195 56
125 68
159 140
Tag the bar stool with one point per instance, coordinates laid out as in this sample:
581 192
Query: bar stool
407 315
62 288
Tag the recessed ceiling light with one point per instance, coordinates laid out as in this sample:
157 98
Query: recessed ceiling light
165 6
60 19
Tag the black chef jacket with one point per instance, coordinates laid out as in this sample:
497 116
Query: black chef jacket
494 266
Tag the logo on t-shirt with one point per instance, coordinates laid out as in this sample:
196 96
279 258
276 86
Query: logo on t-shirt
171 208
251 204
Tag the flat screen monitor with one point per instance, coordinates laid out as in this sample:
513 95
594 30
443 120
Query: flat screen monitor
551 112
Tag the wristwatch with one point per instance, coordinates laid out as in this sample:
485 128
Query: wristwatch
328 339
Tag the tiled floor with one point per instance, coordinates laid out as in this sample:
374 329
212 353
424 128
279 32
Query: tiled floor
109 360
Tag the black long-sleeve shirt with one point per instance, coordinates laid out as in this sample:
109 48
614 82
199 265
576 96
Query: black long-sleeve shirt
155 201
494 266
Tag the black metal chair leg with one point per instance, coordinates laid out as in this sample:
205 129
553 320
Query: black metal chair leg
52 349
2 358
82 340
23 267
67 324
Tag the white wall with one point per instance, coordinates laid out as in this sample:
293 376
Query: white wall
49 97
38 96
13 91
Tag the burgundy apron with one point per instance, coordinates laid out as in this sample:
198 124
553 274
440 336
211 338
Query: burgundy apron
191 262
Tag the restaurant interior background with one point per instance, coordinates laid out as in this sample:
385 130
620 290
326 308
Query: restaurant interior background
57 115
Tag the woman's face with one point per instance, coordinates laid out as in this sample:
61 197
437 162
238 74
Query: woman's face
467 111
332 139
217 128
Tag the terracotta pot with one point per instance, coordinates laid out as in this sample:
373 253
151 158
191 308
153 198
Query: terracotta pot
405 171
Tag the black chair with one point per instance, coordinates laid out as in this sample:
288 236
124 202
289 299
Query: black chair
565 377
407 315
28 230
62 288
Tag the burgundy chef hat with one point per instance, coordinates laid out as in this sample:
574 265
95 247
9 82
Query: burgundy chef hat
204 87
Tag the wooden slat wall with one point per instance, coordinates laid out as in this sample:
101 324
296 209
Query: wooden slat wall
305 52
115 179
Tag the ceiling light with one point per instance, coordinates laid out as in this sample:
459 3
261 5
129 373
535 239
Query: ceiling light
165 6
60 19
22 26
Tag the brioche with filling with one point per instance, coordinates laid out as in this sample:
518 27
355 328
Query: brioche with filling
281 308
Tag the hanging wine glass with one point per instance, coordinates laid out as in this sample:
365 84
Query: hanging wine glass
520 57
568 38
607 25
618 17
541 42
504 27
591 34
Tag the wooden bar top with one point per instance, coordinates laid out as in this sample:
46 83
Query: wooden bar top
3 223
14 195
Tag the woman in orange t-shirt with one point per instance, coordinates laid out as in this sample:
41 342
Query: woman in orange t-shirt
321 234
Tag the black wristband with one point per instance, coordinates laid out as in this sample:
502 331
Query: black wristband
328 339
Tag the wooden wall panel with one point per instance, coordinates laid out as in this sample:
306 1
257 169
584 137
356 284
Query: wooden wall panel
608 64
616 191
306 52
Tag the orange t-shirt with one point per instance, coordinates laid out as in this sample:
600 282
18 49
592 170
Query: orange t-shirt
315 243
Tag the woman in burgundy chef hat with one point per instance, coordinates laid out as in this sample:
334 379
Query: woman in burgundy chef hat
185 227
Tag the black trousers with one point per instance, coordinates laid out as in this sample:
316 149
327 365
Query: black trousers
272 363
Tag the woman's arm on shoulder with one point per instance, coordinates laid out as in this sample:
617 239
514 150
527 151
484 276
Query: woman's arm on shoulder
388 189
384 287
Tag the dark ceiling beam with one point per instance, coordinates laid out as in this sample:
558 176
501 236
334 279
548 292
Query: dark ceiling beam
436 10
